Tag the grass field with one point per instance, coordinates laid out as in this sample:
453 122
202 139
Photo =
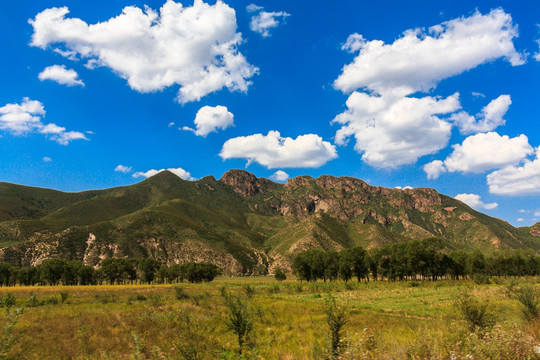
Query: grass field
418 320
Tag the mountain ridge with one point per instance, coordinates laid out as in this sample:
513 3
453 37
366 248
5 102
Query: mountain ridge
242 223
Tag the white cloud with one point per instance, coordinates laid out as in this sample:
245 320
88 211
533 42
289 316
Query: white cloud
478 94
26 117
419 60
520 219
475 201
61 75
46 159
434 169
537 213
488 119
181 173
487 151
209 119
517 180
274 151
264 21
391 131
123 169
253 8
407 187
195 47
279 175
522 211
171 124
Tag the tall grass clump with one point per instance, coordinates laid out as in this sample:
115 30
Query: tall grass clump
529 299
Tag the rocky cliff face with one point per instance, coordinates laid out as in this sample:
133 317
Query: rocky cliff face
535 230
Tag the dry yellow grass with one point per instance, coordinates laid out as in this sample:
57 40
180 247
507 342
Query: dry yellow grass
386 320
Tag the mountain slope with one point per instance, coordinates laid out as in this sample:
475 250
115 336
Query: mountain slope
241 223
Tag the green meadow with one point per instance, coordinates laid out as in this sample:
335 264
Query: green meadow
287 320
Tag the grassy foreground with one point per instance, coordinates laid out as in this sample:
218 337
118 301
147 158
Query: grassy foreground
418 320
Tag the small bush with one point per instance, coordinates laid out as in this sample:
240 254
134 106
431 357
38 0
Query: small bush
274 289
138 297
52 300
476 313
336 318
106 298
33 301
481 279
64 295
279 274
249 290
239 318
9 300
414 284
180 293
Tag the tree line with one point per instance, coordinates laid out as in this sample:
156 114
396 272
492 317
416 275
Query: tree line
413 260
111 271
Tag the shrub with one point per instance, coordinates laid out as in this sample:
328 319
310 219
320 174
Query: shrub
249 290
476 313
481 279
33 301
279 274
64 295
8 301
239 318
180 293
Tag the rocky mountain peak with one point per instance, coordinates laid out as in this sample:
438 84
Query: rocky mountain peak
247 184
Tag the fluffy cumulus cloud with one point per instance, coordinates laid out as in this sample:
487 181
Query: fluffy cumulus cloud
482 152
488 119
211 118
475 201
123 169
391 131
279 175
181 173
195 47
46 159
274 151
390 125
434 169
26 118
61 75
420 59
517 179
263 21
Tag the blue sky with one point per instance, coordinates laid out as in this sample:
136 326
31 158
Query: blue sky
397 93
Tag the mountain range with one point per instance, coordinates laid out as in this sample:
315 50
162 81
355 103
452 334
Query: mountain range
241 223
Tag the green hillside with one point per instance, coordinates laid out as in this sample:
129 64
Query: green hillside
241 223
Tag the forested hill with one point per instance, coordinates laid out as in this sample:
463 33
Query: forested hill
241 223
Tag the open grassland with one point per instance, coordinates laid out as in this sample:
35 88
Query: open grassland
385 320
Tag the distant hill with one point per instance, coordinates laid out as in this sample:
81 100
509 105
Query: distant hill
241 223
